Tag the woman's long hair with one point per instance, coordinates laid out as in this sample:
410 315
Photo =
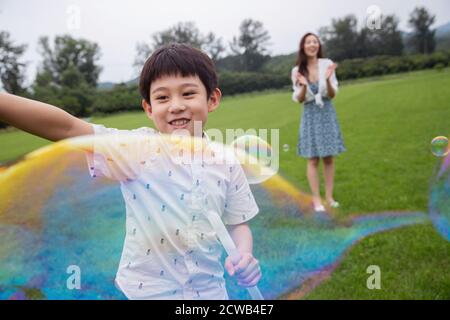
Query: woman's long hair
302 60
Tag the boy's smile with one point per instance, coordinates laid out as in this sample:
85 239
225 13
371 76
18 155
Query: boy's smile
177 102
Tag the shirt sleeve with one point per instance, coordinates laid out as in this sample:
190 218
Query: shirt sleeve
116 157
334 81
240 205
295 87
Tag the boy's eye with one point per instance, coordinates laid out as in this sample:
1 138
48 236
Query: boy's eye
190 93
161 98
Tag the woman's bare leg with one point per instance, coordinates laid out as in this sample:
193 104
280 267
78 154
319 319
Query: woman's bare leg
328 171
312 173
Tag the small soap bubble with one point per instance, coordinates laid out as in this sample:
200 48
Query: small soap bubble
439 146
255 156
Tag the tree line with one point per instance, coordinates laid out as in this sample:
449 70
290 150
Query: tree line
69 72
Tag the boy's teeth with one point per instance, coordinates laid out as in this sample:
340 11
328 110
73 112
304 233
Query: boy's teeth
180 122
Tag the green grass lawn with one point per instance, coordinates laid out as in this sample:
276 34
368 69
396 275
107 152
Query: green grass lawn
387 125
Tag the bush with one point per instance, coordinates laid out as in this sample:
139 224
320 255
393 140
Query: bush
231 83
439 67
380 65
118 99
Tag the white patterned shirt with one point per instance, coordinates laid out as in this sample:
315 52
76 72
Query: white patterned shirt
170 249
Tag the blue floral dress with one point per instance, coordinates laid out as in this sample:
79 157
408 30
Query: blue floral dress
319 134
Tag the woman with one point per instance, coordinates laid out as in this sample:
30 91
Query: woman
315 84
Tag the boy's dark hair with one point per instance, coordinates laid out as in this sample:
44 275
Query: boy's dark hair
177 59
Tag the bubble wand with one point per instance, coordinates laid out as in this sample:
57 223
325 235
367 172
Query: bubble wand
229 246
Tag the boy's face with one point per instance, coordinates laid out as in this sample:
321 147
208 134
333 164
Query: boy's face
176 102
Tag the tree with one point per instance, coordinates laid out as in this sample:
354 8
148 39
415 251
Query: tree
67 53
423 38
341 39
68 75
391 42
12 71
251 45
213 46
384 41
183 32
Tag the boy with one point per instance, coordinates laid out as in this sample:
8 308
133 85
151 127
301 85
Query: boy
170 249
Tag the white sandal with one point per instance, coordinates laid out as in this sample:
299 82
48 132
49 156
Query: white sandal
334 204
319 208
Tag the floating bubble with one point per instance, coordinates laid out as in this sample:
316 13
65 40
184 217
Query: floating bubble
256 156
286 148
439 146
54 214
439 202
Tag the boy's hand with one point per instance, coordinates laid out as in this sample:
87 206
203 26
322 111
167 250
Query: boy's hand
245 268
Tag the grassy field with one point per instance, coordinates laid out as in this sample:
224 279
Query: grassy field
387 125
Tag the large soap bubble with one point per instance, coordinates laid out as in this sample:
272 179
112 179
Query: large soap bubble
439 202
56 217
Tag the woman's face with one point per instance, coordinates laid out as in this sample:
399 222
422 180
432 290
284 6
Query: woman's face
311 46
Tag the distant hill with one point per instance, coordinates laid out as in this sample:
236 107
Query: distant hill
443 37
110 85
105 85
443 31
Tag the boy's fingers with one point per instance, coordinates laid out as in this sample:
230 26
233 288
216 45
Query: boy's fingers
229 266
250 276
251 268
244 263
235 258
252 281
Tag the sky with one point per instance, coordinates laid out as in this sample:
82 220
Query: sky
117 25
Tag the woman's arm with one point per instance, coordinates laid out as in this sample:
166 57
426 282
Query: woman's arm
41 119
300 81
331 81
302 94
330 89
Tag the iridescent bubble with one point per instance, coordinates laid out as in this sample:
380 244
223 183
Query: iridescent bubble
439 202
439 146
53 214
255 155
285 147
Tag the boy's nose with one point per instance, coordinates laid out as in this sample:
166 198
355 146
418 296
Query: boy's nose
176 106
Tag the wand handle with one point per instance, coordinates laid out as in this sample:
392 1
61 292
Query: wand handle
229 246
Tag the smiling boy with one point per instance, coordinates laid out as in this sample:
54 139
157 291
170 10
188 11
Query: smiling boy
170 249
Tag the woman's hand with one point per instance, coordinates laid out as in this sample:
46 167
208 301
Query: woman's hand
246 269
301 80
330 70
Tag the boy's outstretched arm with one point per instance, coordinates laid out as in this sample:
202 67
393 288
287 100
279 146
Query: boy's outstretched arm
41 119
246 269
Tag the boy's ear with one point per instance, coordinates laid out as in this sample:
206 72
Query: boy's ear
214 100
147 108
